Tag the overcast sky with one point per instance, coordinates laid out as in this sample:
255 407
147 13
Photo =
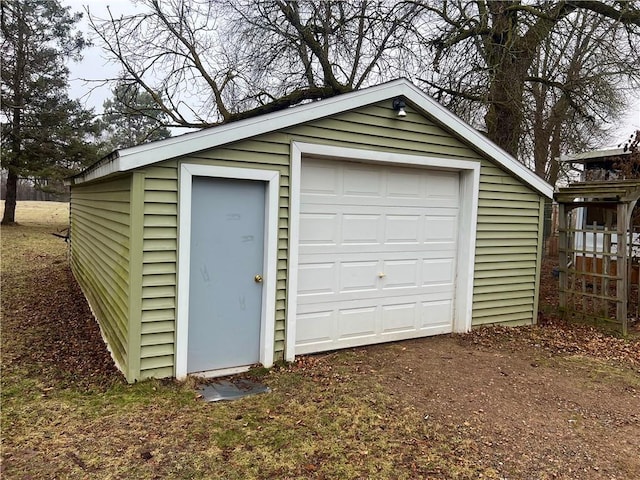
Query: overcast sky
94 66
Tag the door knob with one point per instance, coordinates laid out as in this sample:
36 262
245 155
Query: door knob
257 278
382 275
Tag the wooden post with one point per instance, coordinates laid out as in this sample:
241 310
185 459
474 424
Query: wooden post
597 303
572 264
582 273
606 258
621 270
629 262
563 262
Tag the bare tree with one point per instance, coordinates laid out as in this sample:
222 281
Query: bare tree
207 62
577 83
628 166
485 50
522 71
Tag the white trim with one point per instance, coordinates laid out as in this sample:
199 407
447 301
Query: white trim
267 327
467 234
294 240
223 372
142 155
469 188
480 141
98 171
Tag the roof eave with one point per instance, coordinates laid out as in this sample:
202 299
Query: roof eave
142 155
106 166
459 126
593 154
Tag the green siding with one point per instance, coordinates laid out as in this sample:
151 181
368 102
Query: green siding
507 242
158 273
100 254
507 235
135 269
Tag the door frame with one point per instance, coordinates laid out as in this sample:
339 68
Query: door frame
469 171
271 178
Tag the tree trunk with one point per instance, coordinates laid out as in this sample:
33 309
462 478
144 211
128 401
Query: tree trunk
509 67
504 117
555 146
9 216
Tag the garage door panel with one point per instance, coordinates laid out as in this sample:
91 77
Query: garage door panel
339 208
440 228
320 180
361 299
404 185
318 229
316 328
358 202
443 185
361 228
386 268
399 318
360 181
403 229
439 271
436 314
357 322
317 278
391 185
360 276
314 252
400 273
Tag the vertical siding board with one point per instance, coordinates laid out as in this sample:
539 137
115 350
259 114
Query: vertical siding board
536 296
135 275
100 248
508 218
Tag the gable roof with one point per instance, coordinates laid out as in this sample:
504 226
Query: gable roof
142 155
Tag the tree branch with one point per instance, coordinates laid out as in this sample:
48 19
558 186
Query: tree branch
628 14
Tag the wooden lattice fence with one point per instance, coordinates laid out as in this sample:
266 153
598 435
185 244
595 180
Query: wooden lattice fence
598 261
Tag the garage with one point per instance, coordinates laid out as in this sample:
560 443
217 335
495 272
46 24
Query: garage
339 223
376 254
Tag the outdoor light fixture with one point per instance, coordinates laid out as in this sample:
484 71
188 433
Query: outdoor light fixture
399 106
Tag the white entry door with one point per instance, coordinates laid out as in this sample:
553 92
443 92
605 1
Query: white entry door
377 254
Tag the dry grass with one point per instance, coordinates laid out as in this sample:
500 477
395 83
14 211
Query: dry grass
56 425
352 414
41 213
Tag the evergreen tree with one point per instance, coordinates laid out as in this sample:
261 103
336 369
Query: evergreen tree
45 135
132 117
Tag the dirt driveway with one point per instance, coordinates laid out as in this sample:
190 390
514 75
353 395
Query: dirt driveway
520 410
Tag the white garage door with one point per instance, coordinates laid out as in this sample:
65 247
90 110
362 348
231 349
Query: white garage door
377 249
